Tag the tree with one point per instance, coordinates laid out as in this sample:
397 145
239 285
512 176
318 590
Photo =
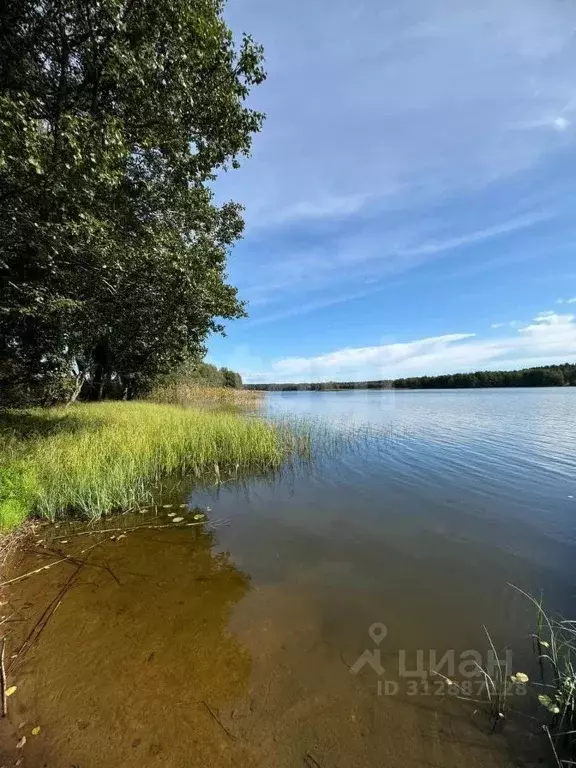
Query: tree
192 372
548 377
115 117
231 378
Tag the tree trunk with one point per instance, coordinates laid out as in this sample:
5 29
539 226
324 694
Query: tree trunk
101 356
101 388
80 379
124 388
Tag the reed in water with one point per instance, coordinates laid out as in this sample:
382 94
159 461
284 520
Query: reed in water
196 396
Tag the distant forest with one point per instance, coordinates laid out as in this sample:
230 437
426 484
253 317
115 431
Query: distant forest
546 376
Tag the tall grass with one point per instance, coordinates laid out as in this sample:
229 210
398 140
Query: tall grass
194 395
98 458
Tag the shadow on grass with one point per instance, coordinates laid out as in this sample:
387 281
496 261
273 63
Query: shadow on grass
26 425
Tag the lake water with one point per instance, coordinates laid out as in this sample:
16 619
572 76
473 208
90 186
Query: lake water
243 645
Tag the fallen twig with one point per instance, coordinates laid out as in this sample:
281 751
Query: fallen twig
551 741
31 573
311 761
63 559
135 528
102 566
3 679
37 629
5 619
72 559
226 731
76 561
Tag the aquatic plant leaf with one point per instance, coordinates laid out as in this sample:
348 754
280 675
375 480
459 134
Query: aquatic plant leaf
177 519
547 702
11 690
36 730
21 742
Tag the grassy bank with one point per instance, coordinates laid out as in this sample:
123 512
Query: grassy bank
101 457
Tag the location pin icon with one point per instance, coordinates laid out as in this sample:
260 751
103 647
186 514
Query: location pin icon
378 632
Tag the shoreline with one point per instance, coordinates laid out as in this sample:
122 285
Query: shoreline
99 458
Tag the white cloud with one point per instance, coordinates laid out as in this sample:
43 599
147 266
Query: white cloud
558 123
549 338
356 264
521 222
566 301
508 324
391 130
561 123
329 207
349 359
405 101
399 134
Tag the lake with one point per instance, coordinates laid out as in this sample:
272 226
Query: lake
301 628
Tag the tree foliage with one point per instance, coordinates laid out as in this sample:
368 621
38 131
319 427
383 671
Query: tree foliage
115 116
193 372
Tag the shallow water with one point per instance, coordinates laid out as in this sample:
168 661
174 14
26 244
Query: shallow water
231 643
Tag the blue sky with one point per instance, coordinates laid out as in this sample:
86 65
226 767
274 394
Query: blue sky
410 202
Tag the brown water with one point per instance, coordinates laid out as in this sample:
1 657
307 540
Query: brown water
239 641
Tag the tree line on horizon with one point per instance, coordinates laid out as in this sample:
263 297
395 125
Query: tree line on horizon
543 376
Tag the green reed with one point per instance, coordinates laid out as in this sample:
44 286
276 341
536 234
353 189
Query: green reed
555 647
495 688
95 458
555 690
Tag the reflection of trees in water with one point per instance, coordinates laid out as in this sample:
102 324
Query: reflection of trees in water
136 663
202 587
